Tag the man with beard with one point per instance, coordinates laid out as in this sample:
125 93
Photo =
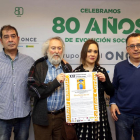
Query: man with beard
46 86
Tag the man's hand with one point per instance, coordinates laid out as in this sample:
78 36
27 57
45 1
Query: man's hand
61 77
113 110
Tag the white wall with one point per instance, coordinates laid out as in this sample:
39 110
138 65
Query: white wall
34 21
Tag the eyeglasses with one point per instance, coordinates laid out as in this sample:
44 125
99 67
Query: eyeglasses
132 46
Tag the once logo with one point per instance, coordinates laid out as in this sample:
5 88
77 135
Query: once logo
19 11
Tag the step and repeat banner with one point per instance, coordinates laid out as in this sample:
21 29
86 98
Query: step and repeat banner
107 22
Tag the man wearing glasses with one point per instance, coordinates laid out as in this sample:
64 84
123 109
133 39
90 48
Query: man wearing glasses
125 104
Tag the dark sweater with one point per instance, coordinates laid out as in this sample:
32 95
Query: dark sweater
40 91
126 82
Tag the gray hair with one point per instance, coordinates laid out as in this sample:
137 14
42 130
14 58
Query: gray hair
46 44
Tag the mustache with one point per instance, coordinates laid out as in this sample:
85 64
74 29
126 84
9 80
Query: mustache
11 43
56 54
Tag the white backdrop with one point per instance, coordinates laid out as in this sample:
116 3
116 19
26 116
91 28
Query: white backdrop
108 22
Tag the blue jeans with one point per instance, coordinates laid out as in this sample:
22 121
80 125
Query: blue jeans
21 128
125 125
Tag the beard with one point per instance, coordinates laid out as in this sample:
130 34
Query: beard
53 60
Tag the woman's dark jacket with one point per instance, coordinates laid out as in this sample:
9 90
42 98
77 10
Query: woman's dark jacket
102 86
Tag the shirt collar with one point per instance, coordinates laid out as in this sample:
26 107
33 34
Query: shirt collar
9 56
132 63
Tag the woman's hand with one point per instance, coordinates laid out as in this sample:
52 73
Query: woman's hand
101 77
